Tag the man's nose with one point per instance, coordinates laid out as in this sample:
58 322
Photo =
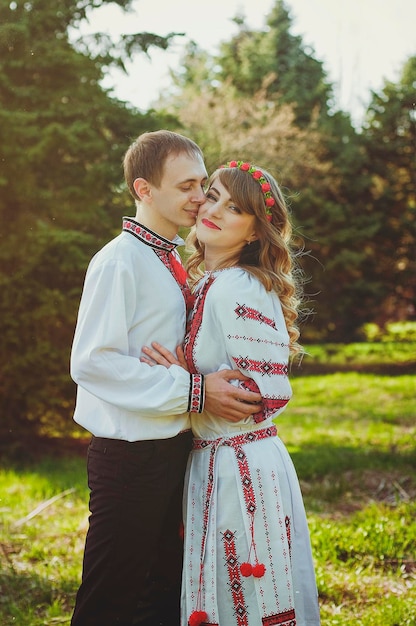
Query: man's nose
199 197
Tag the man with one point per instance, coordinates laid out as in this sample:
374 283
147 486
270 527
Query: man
135 292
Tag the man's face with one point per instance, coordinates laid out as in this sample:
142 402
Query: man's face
176 201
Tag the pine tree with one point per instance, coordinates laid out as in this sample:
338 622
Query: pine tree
62 138
390 139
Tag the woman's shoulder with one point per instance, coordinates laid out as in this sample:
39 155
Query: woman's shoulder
238 290
235 280
237 285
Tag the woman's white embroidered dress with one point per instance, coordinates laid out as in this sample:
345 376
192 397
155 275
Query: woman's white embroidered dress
242 498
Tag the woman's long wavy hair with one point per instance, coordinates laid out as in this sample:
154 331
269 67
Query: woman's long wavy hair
271 258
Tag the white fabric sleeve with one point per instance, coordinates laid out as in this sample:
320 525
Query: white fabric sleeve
251 325
103 362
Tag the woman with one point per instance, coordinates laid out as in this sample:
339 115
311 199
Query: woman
247 555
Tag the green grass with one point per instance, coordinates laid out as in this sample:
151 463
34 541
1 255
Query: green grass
386 357
352 438
40 559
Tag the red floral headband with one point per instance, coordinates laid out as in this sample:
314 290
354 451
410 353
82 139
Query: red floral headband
260 178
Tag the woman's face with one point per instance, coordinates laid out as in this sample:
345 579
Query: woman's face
222 226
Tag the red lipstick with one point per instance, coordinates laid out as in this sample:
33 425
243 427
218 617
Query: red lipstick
209 224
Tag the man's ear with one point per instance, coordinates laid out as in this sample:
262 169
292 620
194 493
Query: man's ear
142 188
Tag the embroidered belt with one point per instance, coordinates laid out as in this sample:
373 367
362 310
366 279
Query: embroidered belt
237 440
236 443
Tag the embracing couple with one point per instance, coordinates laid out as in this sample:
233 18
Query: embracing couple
196 511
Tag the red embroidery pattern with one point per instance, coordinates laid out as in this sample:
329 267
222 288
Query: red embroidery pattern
250 385
287 618
262 367
147 236
270 565
210 488
164 249
179 274
196 394
194 325
248 490
270 405
163 256
238 440
178 269
234 577
236 443
252 314
287 522
281 344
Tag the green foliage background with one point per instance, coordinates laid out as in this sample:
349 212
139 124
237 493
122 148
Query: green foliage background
263 97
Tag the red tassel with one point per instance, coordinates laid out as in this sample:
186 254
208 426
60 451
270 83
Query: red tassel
246 569
197 618
258 570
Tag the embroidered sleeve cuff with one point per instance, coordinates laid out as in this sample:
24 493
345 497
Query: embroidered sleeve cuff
196 394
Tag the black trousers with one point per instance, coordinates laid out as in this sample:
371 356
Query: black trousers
133 552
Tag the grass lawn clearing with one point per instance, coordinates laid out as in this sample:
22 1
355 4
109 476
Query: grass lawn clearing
352 439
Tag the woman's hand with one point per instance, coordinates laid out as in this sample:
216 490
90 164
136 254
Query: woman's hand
159 355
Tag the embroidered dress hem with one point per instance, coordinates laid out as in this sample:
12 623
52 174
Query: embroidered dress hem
237 487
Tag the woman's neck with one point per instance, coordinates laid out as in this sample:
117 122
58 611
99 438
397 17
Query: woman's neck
214 262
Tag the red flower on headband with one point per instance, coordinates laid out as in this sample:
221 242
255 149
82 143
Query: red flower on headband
258 175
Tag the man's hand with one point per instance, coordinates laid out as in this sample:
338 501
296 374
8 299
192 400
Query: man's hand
227 401
162 356
221 398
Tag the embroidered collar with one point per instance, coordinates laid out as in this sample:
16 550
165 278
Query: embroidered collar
149 237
